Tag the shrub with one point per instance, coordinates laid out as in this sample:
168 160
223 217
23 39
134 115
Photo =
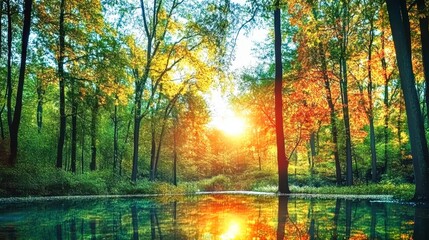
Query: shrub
216 183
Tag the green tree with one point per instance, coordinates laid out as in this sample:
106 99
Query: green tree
14 125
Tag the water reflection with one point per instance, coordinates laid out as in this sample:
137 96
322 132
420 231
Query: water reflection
213 217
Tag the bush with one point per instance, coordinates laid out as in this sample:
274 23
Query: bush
26 180
216 183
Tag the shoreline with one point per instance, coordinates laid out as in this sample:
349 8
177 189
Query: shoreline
30 199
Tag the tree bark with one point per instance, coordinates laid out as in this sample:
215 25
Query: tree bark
18 103
400 25
386 94
344 92
334 130
282 161
370 104
61 76
73 126
9 64
94 115
115 139
137 122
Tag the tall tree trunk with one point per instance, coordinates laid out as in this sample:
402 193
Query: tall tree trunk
424 37
61 76
152 149
370 104
9 64
344 92
282 161
115 139
73 126
18 103
175 151
39 115
137 121
334 130
94 115
386 93
312 150
1 47
400 25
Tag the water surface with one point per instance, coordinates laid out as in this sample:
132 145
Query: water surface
212 217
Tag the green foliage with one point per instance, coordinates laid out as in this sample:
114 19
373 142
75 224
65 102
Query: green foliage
216 183
26 179
401 192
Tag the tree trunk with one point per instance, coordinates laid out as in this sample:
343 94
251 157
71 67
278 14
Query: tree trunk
1 47
152 149
370 105
62 133
399 23
175 152
115 140
344 92
137 121
1 122
334 130
39 115
73 126
9 65
386 95
282 161
312 151
18 103
95 107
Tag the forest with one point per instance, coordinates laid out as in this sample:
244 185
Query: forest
114 96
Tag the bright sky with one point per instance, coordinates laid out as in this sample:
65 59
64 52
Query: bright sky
223 116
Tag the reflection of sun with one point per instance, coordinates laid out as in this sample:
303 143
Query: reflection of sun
230 124
232 232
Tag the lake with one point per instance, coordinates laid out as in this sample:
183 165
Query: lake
222 216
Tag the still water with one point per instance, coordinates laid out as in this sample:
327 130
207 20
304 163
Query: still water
213 217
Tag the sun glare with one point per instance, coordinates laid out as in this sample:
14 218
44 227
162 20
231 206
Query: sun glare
232 231
231 125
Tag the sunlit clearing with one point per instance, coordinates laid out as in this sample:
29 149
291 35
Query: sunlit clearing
231 125
232 232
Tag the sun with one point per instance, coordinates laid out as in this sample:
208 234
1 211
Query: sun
230 124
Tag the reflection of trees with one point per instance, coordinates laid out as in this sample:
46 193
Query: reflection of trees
282 216
348 218
59 232
336 213
421 222
135 222
258 217
154 223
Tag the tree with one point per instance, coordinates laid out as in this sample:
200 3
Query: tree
400 26
14 127
282 162
61 76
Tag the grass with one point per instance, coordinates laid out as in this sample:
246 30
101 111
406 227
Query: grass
401 192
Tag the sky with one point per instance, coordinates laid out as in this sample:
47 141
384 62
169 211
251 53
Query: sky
221 112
